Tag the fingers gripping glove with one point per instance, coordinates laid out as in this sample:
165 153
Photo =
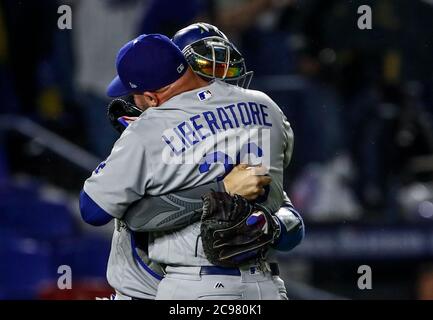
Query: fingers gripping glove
234 231
119 111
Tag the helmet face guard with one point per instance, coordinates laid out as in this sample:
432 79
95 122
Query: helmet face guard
217 58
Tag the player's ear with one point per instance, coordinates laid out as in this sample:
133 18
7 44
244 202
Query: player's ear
151 99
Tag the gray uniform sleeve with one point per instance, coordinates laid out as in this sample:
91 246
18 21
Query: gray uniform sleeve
288 143
120 180
288 136
168 212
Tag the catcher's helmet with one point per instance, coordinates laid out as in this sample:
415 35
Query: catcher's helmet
211 55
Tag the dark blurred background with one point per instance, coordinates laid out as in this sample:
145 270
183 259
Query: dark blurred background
360 103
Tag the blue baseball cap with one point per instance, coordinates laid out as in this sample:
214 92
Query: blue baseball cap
147 63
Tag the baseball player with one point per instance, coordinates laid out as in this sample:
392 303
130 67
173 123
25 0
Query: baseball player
155 274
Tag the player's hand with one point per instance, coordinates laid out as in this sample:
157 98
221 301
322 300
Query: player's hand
126 121
246 182
121 113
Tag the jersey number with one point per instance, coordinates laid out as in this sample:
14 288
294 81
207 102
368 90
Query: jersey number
223 158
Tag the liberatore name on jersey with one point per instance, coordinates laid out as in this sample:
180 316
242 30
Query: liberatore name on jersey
202 125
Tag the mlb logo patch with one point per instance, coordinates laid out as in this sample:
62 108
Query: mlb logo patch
204 95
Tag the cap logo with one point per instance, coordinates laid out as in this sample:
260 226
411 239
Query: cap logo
180 68
133 86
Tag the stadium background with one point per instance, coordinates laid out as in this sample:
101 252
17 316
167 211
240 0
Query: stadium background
360 103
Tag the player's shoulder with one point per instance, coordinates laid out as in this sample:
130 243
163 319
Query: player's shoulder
139 126
152 121
260 95
261 98
252 94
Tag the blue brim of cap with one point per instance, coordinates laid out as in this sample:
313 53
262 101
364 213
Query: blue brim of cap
117 89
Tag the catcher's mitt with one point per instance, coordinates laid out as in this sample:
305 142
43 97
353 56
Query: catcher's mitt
234 231
119 111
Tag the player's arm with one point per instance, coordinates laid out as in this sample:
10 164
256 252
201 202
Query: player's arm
116 183
291 225
288 140
179 209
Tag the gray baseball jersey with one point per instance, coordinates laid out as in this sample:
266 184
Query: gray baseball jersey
130 271
192 139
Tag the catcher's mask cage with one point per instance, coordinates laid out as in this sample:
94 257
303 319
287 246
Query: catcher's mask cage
217 58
